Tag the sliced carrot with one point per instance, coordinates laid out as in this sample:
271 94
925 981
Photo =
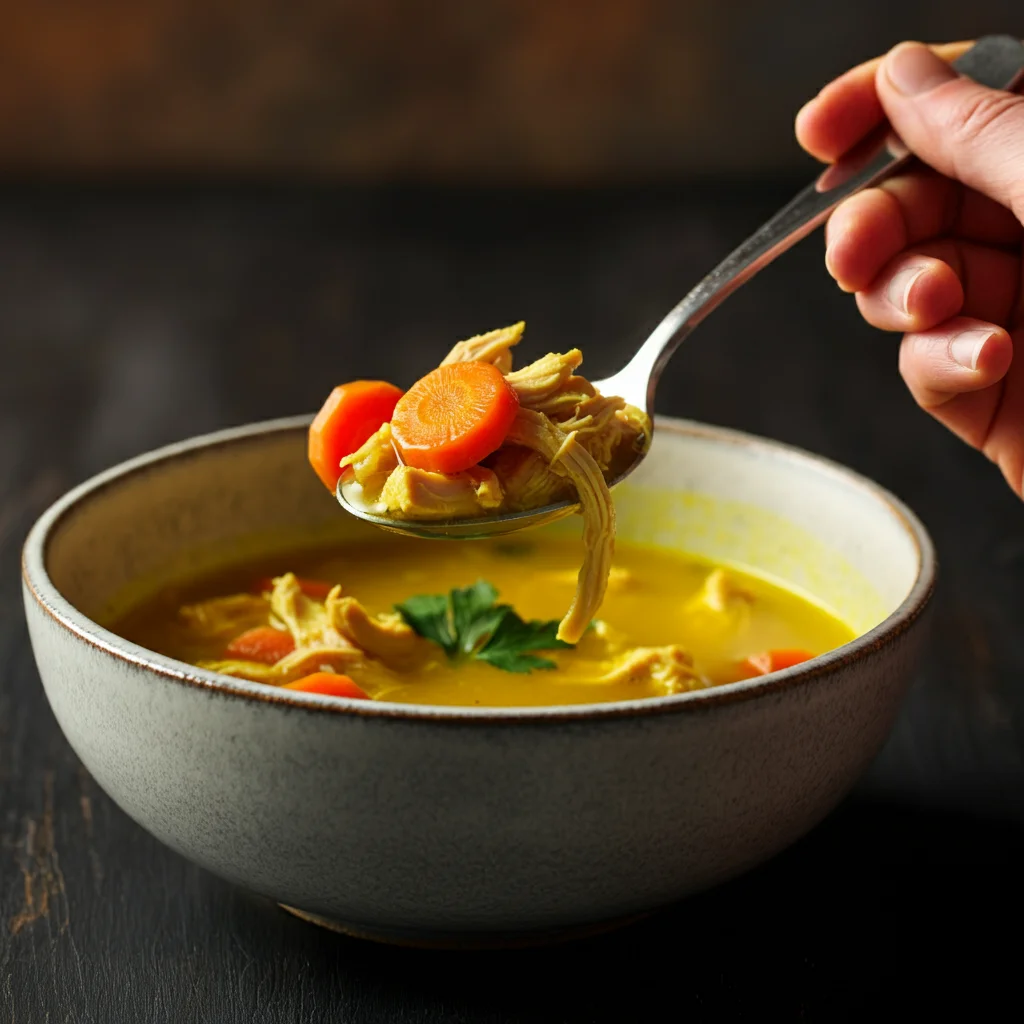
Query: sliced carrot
328 683
264 644
316 589
774 661
350 416
454 417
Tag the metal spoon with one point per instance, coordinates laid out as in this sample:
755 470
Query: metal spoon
994 61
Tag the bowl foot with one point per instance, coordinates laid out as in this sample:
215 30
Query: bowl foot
468 940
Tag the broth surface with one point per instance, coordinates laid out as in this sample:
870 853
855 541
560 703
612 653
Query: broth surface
646 605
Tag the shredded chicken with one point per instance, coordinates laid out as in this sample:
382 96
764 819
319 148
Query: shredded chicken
384 637
375 461
671 667
566 437
720 611
536 384
348 661
719 593
223 618
619 579
422 494
564 454
336 635
492 347
527 479
304 618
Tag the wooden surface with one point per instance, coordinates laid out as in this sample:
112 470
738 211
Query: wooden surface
129 320
503 89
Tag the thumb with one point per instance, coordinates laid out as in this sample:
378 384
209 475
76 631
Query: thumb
960 128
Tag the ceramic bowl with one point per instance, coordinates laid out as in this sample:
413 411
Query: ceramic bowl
474 826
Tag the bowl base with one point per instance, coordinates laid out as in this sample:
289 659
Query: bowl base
468 940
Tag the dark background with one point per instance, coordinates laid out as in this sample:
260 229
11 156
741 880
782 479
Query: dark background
211 213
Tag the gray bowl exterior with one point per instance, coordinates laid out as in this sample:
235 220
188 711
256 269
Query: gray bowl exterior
430 824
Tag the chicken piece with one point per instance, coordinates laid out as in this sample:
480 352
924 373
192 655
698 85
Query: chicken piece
604 422
374 462
563 403
422 494
492 347
346 659
372 676
336 636
720 593
718 613
635 421
254 671
526 479
602 641
303 617
671 667
301 662
566 455
608 428
536 383
600 431
388 638
223 618
619 579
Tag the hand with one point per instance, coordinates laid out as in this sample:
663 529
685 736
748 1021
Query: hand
937 252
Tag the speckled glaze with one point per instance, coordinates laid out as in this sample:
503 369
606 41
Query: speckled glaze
473 826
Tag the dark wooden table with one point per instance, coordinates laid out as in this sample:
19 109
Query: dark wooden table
133 318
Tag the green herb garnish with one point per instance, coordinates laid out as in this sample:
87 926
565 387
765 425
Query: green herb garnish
467 623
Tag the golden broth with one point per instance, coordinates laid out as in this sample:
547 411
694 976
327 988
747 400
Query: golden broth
646 603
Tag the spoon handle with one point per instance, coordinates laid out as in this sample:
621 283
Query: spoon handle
994 61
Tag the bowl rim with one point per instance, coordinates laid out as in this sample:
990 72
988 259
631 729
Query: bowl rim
40 587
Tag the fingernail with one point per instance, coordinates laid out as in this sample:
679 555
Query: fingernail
899 288
912 69
966 348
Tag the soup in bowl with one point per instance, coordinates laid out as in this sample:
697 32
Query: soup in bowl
456 800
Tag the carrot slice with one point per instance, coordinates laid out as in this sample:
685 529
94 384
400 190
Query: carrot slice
328 683
316 589
454 417
352 413
774 661
264 644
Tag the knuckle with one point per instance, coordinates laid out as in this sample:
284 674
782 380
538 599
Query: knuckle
985 113
983 133
915 358
908 368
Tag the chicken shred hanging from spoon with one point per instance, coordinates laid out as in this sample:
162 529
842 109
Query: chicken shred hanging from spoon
477 437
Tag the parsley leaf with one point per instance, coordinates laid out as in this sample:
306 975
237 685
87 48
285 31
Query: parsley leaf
427 614
510 642
473 614
467 623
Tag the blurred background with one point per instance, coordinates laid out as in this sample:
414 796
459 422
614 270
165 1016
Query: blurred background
452 90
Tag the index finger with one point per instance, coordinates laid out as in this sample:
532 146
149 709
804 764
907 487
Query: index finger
848 108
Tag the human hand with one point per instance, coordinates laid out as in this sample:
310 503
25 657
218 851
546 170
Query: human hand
936 252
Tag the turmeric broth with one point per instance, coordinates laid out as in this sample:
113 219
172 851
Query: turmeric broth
373 617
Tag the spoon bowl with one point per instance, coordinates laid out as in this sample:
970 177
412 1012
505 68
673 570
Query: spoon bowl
347 491
460 529
994 61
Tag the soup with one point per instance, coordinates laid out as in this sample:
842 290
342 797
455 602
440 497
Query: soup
474 623
475 437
